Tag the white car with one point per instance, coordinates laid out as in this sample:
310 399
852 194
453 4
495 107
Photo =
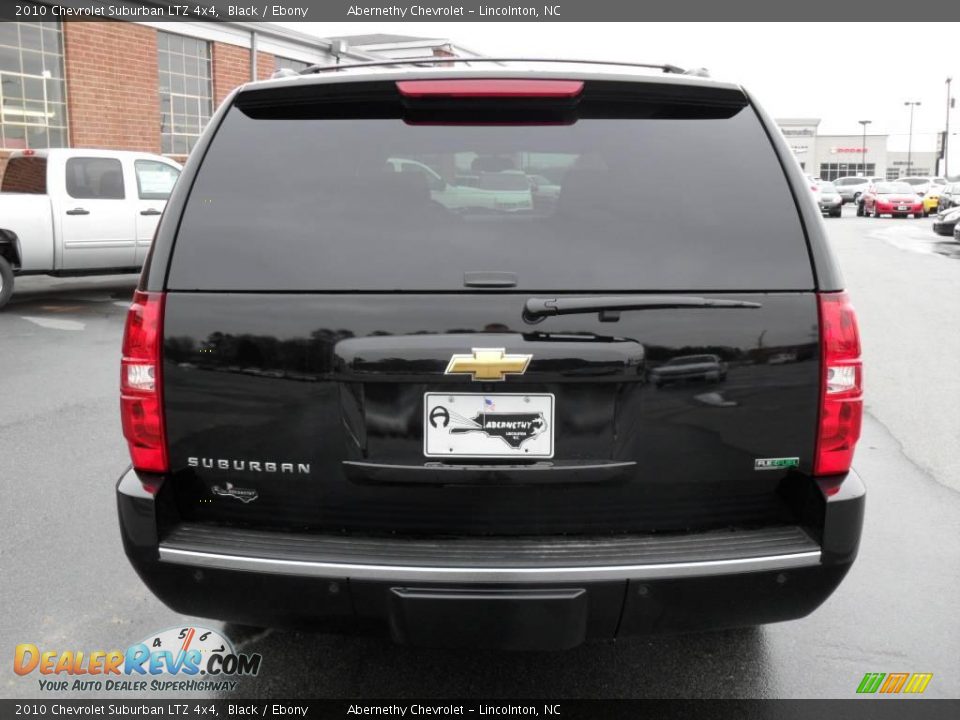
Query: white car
79 211
504 191
922 184
545 191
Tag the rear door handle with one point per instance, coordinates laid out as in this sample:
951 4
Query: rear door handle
78 211
151 211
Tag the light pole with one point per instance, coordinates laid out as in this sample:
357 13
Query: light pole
912 104
863 147
946 134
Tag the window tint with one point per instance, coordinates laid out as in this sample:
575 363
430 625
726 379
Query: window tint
95 178
26 175
155 179
286 200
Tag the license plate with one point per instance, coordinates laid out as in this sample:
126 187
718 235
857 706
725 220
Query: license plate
903 207
494 425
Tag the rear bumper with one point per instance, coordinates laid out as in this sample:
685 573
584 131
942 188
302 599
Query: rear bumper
944 228
895 208
547 593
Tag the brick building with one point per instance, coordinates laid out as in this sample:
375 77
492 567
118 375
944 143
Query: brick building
151 86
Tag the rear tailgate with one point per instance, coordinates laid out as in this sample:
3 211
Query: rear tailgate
317 299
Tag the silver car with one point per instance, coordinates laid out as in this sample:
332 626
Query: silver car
851 188
829 199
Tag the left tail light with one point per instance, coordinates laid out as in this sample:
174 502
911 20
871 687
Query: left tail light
141 383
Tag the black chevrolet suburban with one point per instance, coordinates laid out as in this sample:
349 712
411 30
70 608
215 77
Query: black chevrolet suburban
362 392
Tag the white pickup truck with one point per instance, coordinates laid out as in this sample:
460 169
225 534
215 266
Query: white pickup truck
79 212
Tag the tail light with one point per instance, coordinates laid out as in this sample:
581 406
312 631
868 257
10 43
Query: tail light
841 393
141 397
490 88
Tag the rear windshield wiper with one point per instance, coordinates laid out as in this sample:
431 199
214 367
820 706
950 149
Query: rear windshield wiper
609 307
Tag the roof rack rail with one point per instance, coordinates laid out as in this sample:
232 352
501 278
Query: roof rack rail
433 59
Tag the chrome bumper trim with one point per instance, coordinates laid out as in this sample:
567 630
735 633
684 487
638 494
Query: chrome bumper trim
398 573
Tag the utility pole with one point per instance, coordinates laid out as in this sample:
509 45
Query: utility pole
946 134
912 104
863 147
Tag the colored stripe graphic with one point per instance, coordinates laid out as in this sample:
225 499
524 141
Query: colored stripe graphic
918 682
894 682
870 682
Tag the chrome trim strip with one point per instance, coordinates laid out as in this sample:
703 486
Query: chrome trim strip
487 574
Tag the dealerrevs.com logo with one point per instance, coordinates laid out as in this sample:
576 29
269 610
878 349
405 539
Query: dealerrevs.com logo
179 659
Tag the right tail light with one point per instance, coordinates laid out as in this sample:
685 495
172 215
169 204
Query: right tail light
841 385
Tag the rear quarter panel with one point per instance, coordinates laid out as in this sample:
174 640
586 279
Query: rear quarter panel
31 218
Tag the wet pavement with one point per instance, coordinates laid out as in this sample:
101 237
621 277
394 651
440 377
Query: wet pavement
67 585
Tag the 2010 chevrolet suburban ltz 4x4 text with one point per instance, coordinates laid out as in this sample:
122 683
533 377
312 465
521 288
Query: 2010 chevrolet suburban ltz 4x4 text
348 404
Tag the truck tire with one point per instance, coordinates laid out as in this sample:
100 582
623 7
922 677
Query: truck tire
6 281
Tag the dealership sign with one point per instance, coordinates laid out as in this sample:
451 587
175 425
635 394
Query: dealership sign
836 150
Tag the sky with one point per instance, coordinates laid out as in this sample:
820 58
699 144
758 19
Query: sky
817 70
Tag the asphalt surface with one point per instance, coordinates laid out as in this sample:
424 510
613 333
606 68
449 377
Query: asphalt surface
65 583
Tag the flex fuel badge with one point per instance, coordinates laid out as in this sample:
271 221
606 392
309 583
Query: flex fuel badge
776 463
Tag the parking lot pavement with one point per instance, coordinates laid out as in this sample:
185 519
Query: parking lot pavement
67 585
905 284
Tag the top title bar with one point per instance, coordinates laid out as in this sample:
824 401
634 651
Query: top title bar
467 10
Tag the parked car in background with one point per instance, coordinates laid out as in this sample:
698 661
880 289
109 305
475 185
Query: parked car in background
852 187
829 200
545 191
892 198
505 191
931 199
949 196
509 190
79 212
922 184
946 221
858 198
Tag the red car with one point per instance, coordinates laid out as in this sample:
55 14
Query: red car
892 198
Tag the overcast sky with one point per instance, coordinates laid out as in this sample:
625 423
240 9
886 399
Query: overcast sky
839 72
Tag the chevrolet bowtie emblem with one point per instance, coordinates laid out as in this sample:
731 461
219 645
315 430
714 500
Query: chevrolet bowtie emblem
488 364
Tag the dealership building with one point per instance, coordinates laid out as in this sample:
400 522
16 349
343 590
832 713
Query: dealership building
833 156
152 86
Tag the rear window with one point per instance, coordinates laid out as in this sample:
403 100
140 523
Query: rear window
305 195
25 175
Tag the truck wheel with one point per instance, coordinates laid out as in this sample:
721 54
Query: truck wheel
6 281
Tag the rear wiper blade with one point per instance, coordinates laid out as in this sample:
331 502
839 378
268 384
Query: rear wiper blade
609 307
